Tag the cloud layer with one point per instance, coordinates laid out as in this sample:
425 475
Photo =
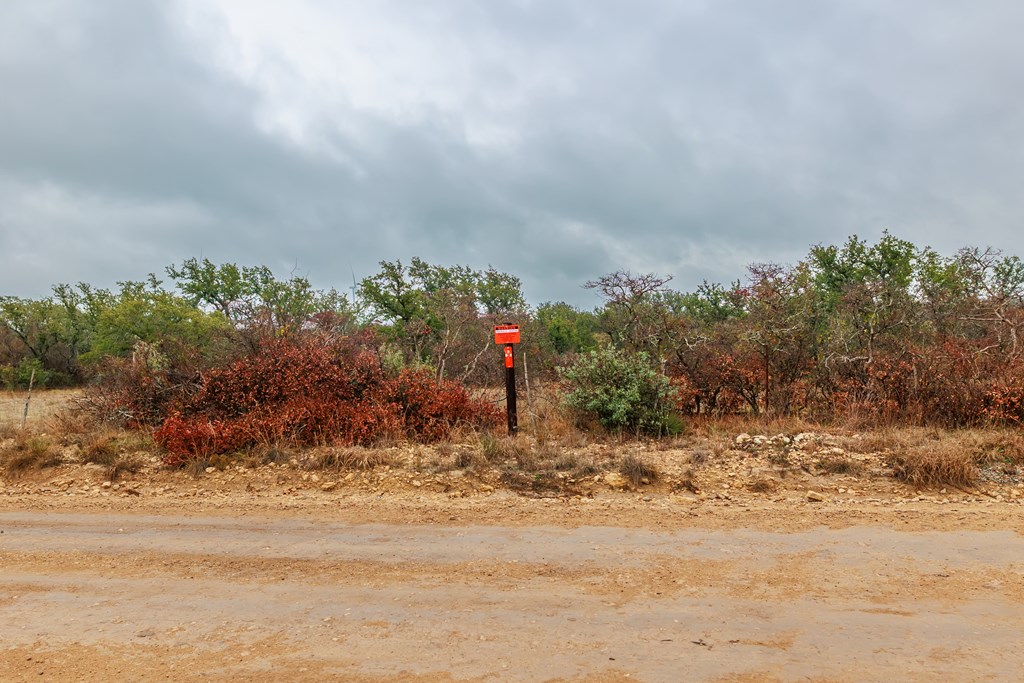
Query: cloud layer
558 141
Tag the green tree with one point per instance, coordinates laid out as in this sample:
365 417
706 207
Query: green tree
145 312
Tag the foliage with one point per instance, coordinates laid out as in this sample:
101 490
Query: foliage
566 329
440 316
253 298
314 391
146 313
862 332
30 371
620 391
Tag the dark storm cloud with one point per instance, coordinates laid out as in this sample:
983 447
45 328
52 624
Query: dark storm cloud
576 138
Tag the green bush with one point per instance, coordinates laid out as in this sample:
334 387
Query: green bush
621 391
18 376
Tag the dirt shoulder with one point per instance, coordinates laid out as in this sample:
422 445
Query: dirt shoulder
401 497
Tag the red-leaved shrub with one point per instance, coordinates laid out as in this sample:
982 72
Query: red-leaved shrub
313 391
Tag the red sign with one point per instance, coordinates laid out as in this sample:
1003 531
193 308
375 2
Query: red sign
506 334
509 359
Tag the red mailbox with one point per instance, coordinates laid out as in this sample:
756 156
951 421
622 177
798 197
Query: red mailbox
506 334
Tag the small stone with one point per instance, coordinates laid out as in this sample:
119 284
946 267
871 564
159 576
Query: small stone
742 438
815 497
615 480
329 486
417 483
145 633
106 484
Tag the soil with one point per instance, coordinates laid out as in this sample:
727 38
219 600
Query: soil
731 566
204 580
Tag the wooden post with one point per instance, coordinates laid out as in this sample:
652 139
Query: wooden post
508 336
510 390
31 381
529 403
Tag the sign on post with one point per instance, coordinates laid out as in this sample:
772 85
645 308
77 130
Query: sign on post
508 335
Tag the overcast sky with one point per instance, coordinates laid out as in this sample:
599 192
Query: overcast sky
554 139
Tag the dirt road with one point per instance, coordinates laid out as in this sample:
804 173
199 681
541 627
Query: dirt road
113 596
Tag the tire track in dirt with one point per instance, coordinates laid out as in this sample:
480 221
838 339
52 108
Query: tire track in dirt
170 597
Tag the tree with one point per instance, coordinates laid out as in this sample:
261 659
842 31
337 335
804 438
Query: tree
145 312
635 314
565 328
441 315
259 304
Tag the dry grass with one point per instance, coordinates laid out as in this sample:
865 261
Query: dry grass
840 465
699 457
548 420
638 471
932 465
352 458
499 449
762 485
44 405
27 451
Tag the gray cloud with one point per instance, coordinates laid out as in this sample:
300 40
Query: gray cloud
557 141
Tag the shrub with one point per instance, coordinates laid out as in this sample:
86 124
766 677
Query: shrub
133 392
621 391
311 392
29 370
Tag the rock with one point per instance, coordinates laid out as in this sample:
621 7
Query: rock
615 480
211 470
815 497
417 483
329 486
145 633
742 439
106 484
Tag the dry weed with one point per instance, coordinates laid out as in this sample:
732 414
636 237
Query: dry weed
351 458
840 465
762 485
638 471
932 465
27 452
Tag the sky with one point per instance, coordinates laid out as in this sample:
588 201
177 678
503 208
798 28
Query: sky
557 140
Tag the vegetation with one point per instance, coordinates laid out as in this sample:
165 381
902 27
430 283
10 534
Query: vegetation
621 391
222 357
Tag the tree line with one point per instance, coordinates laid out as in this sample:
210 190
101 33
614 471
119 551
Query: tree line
885 331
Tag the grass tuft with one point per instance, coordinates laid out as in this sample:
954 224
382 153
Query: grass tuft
636 470
941 464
